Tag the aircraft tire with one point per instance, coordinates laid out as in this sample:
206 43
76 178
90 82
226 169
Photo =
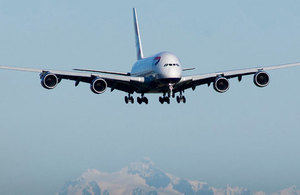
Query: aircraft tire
161 100
178 99
145 100
183 99
139 100
167 100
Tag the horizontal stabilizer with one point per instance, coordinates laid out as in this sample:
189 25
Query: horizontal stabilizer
102 71
187 69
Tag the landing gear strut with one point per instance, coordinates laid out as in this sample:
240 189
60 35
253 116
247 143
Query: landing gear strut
171 93
128 99
142 99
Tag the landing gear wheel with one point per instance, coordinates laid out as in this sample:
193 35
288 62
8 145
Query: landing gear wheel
144 99
128 99
183 99
180 98
166 99
139 100
161 100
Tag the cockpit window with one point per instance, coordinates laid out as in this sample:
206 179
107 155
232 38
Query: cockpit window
171 65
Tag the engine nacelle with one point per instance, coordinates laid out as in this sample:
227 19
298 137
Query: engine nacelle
49 80
261 79
98 85
221 84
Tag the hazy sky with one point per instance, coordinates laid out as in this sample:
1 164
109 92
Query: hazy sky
246 137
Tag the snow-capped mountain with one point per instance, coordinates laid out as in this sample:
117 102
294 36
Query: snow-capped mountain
143 178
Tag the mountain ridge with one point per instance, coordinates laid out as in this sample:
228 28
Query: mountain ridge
144 178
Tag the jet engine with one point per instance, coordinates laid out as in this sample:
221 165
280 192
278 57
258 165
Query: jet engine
49 80
261 79
221 84
98 85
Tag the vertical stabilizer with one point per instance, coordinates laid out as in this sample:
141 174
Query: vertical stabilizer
138 42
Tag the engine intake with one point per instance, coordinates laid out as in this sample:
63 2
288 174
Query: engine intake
261 79
221 84
98 85
49 80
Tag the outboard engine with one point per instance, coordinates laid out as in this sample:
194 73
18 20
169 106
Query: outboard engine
261 79
221 84
49 80
98 85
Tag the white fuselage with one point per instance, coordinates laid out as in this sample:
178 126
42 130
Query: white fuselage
164 68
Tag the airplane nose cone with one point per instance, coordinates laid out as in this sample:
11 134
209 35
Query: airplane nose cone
170 75
168 67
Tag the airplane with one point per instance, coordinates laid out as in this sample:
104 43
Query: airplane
161 73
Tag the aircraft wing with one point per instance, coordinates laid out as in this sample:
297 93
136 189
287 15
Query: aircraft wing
120 82
196 80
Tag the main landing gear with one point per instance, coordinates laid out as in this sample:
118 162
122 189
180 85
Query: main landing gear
142 99
164 99
128 99
170 93
180 98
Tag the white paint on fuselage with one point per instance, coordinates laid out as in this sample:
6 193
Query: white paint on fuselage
148 67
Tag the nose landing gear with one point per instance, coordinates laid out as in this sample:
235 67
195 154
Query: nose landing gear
171 93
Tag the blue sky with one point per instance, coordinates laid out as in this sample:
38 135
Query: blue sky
246 137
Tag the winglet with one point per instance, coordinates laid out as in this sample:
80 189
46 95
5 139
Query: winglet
138 42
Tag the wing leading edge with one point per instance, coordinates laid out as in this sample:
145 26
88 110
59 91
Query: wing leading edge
103 71
196 80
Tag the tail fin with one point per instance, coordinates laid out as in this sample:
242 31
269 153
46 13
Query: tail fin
138 42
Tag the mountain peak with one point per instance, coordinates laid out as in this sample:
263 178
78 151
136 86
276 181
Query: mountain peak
152 175
144 168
